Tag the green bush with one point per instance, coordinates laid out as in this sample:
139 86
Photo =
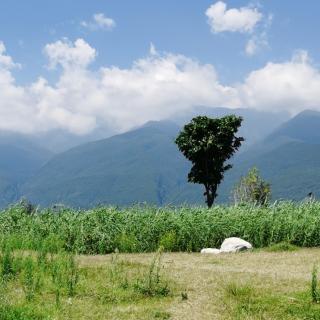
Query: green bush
168 241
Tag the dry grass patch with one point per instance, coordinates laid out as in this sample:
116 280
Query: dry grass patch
250 285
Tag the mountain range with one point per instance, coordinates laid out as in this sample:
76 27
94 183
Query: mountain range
144 164
20 159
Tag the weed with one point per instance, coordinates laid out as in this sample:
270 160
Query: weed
7 264
152 284
31 278
315 294
239 292
282 246
57 279
72 275
162 315
184 295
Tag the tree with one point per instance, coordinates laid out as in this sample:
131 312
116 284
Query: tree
208 144
252 189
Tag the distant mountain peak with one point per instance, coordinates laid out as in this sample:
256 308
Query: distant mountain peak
308 112
302 127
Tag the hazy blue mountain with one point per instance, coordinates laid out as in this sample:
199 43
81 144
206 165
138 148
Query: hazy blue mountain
142 165
289 158
303 127
256 124
19 160
61 140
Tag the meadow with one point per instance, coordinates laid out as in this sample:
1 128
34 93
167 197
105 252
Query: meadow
143 262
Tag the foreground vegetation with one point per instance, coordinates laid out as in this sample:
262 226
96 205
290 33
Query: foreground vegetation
253 285
44 273
145 229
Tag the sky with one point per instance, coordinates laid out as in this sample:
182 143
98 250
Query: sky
85 65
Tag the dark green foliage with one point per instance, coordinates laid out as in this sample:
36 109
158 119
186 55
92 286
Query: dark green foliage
252 189
208 144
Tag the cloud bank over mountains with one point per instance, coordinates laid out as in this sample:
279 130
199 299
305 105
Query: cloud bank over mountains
153 88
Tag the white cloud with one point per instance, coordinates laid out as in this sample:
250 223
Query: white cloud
99 21
292 85
5 60
251 47
241 20
256 44
153 88
81 100
79 54
259 39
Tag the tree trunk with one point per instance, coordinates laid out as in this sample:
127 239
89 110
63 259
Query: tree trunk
210 195
210 200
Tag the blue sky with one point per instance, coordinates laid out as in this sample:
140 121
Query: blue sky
284 35
173 26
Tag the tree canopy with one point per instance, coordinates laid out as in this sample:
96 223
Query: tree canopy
208 143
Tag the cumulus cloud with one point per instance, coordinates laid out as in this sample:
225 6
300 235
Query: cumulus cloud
246 20
241 20
64 53
153 88
99 22
292 85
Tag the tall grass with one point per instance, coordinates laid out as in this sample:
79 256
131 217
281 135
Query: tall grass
144 229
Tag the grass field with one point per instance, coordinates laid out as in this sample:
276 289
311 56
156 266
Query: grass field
250 285
53 264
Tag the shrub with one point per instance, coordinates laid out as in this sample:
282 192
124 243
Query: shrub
252 189
168 241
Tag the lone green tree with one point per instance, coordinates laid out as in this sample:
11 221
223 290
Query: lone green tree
208 143
252 189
